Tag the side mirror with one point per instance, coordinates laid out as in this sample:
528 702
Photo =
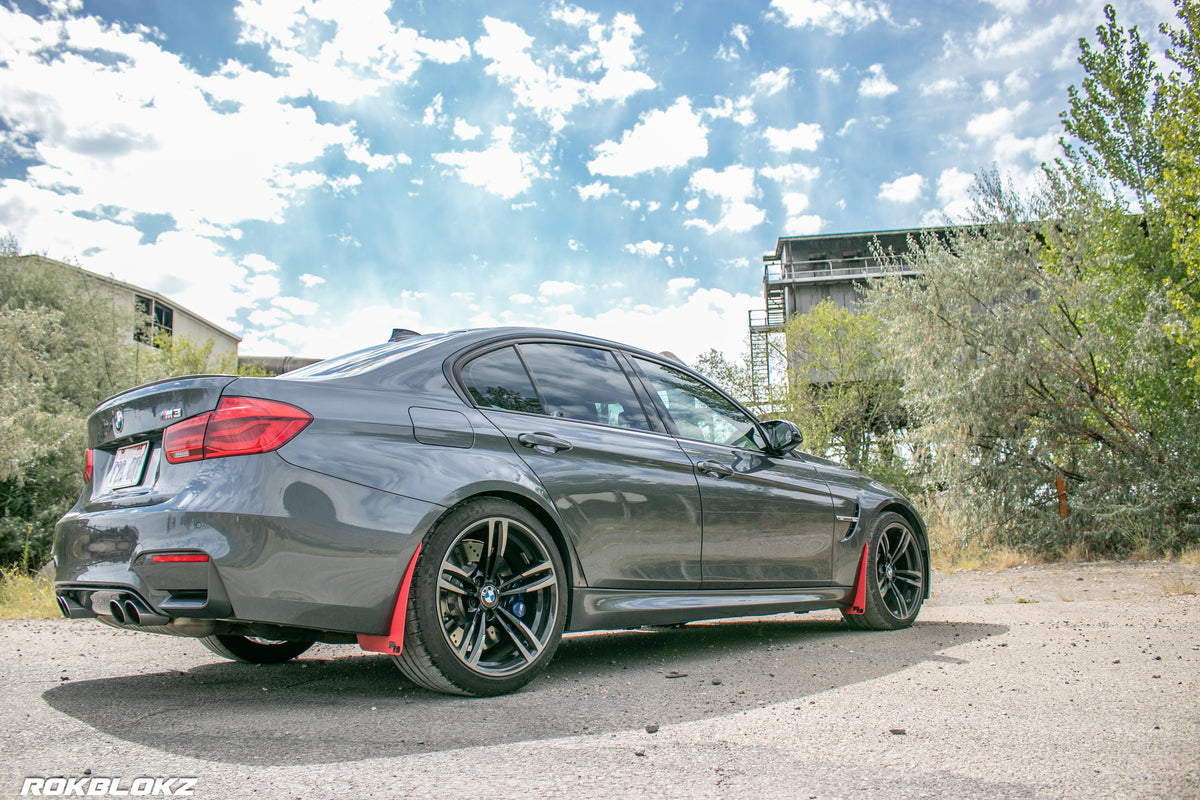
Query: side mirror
782 436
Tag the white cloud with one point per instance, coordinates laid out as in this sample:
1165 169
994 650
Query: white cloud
558 288
906 189
734 188
799 223
943 86
829 75
876 84
433 112
662 139
499 170
740 110
546 88
805 136
595 190
834 16
465 130
704 319
521 298
645 248
994 123
954 193
296 306
677 285
740 34
791 173
309 280
770 83
358 50
259 263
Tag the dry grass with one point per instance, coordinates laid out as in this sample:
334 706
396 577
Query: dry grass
1191 556
1178 587
25 596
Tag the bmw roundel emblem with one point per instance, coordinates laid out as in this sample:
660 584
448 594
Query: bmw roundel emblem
118 420
489 595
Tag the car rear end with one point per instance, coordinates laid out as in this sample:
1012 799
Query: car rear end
192 522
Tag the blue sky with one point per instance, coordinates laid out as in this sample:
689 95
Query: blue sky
310 174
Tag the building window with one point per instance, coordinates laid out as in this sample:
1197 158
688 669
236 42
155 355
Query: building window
155 320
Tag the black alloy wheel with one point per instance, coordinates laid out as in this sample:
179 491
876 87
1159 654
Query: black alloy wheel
895 576
488 602
253 650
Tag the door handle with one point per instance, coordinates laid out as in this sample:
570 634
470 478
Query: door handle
544 442
714 469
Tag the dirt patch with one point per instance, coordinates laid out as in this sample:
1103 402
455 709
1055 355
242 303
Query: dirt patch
1066 583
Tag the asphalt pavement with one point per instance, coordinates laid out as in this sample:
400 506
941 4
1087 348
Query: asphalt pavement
1078 681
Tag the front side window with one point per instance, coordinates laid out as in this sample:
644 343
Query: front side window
498 380
583 383
699 411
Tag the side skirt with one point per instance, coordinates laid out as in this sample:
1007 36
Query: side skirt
605 609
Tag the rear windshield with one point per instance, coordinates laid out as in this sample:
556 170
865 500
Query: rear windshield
367 359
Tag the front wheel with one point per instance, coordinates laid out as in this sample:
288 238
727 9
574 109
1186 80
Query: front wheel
895 576
253 650
487 604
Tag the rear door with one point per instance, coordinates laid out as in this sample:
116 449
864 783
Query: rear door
767 521
623 487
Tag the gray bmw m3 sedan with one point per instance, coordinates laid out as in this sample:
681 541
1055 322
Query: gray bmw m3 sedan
459 501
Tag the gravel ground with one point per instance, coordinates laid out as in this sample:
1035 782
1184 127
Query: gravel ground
1064 681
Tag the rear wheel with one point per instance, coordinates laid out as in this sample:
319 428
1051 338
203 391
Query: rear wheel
895 576
487 603
253 650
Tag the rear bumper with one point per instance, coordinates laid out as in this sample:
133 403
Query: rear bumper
286 546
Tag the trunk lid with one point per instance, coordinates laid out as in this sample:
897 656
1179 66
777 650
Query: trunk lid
125 435
142 413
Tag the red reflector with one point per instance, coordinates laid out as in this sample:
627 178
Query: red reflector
239 426
178 558
89 464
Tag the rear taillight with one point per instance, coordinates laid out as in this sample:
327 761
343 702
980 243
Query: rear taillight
89 464
238 426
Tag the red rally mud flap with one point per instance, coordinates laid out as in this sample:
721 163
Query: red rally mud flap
859 605
392 642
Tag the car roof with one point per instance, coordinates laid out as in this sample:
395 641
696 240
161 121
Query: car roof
439 346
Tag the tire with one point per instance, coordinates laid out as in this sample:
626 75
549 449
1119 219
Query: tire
252 650
895 576
487 603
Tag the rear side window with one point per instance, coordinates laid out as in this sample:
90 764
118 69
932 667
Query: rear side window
584 383
498 380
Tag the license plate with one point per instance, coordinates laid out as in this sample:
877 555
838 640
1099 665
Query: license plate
126 469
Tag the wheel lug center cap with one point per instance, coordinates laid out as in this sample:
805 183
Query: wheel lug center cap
489 596
890 572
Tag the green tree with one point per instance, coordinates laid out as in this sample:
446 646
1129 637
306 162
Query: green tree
66 344
843 393
1176 126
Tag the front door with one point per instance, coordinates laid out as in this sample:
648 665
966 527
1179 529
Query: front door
768 521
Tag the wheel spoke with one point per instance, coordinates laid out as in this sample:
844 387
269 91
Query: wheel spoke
905 540
471 647
453 579
520 584
911 577
507 623
901 603
497 542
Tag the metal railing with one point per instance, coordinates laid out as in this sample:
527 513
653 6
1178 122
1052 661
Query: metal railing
848 269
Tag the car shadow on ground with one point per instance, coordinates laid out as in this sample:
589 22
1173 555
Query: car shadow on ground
319 710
